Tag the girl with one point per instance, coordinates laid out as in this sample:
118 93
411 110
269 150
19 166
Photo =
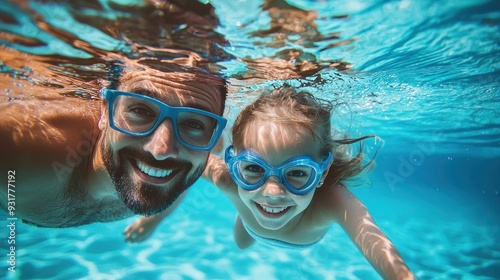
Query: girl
285 175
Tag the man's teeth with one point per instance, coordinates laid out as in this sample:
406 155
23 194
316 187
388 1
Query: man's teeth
153 172
272 210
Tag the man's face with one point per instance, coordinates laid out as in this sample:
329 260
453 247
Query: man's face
150 172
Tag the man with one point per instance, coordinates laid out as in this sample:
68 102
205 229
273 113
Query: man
76 164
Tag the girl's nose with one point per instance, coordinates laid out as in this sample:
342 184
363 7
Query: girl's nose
274 188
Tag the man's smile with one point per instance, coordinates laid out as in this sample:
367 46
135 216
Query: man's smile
152 171
154 175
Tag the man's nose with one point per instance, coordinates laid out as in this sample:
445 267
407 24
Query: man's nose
163 143
273 187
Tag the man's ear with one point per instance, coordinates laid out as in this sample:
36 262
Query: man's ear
103 121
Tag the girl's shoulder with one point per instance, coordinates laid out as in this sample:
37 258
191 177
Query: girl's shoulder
329 202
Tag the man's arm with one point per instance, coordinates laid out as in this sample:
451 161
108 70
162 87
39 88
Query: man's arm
44 141
23 148
144 227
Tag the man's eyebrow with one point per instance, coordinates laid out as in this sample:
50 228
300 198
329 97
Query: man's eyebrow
199 106
146 92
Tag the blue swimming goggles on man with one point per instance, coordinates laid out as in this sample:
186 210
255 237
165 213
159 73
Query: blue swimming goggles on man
299 175
139 115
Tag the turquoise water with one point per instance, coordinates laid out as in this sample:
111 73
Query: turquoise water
423 75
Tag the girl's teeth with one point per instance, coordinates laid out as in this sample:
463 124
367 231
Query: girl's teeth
153 172
273 210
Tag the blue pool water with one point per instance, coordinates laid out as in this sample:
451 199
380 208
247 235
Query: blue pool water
423 75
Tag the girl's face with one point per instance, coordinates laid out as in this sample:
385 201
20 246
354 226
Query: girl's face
272 204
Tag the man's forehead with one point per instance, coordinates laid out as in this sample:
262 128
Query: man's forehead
176 92
208 101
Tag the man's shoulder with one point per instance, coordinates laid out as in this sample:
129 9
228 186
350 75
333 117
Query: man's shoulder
41 127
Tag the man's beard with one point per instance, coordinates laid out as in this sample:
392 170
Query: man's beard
146 199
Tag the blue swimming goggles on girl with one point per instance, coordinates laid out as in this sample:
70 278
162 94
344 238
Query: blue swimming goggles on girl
250 171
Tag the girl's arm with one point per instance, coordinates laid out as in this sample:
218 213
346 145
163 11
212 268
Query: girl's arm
359 225
216 173
241 236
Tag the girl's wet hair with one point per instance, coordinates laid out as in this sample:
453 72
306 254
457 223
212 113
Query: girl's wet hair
286 105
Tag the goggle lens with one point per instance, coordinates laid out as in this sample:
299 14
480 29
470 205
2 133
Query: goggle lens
298 176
